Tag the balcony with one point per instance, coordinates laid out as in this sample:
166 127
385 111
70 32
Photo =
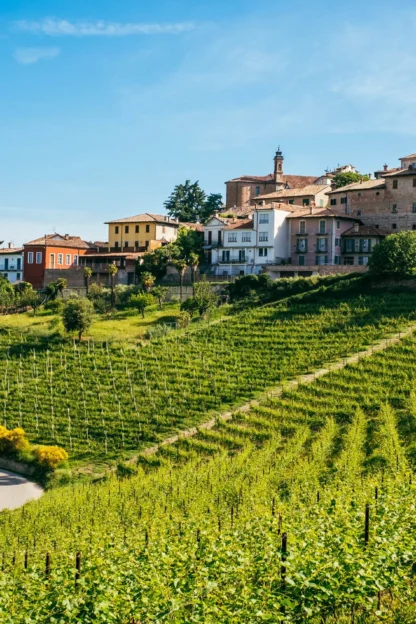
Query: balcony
212 245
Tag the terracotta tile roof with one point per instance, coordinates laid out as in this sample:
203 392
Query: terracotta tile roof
116 254
281 206
11 250
410 156
57 240
293 181
238 211
147 217
366 230
197 227
367 185
401 172
310 189
239 224
307 213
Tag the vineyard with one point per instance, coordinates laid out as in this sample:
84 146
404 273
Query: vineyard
100 400
301 510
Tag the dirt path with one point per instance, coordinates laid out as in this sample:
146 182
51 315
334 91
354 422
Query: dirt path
276 391
15 490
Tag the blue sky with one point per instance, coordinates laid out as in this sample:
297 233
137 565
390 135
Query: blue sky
105 105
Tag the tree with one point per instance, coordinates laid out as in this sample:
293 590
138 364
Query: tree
61 284
180 266
155 262
186 203
160 293
87 277
348 177
112 271
213 204
395 255
31 299
77 315
188 242
142 301
147 280
194 262
202 301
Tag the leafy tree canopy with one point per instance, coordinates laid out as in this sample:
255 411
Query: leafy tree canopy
77 315
189 203
395 255
188 244
348 177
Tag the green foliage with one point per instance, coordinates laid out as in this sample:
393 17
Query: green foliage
22 287
147 280
203 300
155 262
77 316
187 246
189 203
61 284
158 331
160 293
31 299
348 177
395 255
141 301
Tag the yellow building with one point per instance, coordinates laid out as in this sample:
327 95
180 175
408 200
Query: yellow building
141 232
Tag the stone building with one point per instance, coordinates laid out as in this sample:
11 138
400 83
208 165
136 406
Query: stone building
357 243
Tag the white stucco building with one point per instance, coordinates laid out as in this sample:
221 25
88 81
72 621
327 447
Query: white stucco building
11 263
240 246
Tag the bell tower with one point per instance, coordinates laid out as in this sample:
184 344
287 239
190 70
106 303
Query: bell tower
278 165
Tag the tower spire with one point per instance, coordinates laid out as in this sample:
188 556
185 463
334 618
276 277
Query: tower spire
278 165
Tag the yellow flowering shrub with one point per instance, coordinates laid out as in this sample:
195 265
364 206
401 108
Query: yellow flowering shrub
50 456
12 441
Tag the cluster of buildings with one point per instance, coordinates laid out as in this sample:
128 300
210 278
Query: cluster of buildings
302 225
284 224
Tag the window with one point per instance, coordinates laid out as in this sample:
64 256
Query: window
257 191
322 227
263 237
264 218
338 224
306 202
301 260
242 255
116 229
75 260
246 238
126 229
137 229
321 244
60 258
321 260
377 192
337 259
30 257
126 243
321 203
395 184
302 245
38 257
363 260
337 242
136 243
18 276
394 209
19 264
116 244
302 227
349 260
333 201
232 237
414 182
147 229
146 244
413 226
225 256
262 252
414 207
291 202
365 245
163 229
377 226
349 245
68 259
394 226
344 200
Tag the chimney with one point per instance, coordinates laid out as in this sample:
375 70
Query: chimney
66 236
356 227
11 245
311 209
385 167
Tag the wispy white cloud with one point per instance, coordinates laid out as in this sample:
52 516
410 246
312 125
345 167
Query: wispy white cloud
54 27
28 56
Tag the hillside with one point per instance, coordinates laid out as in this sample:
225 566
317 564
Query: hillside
299 509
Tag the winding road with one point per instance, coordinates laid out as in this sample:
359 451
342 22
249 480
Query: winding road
15 490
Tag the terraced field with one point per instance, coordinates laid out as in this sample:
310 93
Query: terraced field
301 510
100 401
